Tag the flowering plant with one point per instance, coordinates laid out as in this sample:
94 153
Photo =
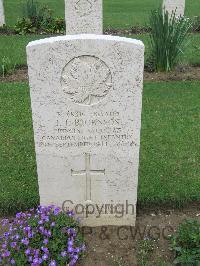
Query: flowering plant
45 236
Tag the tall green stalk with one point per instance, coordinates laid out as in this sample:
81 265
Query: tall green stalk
168 38
31 9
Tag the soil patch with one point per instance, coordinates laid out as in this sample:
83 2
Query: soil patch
133 30
139 30
108 31
19 75
180 74
112 246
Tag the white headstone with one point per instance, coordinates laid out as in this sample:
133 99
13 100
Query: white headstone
86 94
84 16
177 6
2 16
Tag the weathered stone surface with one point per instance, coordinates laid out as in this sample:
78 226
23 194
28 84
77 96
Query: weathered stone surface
86 94
2 16
84 16
175 5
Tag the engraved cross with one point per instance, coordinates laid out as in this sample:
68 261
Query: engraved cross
88 173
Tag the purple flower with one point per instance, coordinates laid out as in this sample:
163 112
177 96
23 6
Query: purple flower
63 253
52 263
71 231
4 222
46 241
77 250
18 215
25 241
70 213
70 243
27 229
11 228
70 249
12 261
37 261
45 250
45 257
30 234
56 211
41 228
28 252
53 224
6 234
45 218
72 262
36 252
29 215
13 244
50 207
83 247
30 258
5 254
21 222
16 237
4 245
47 233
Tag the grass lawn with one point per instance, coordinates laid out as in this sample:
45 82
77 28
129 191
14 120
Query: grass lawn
170 144
14 48
117 13
17 172
191 54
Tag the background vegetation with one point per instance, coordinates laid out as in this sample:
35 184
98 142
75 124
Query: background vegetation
117 13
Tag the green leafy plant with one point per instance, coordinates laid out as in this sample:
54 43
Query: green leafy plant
31 9
44 17
45 236
168 38
196 24
6 66
53 25
25 26
145 247
186 243
38 19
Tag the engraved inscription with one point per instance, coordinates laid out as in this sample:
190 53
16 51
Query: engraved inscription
86 80
88 173
75 129
83 7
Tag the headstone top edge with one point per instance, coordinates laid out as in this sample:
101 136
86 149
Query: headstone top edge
84 37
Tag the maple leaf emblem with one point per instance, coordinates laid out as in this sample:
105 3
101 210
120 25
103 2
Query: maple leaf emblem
86 80
83 7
